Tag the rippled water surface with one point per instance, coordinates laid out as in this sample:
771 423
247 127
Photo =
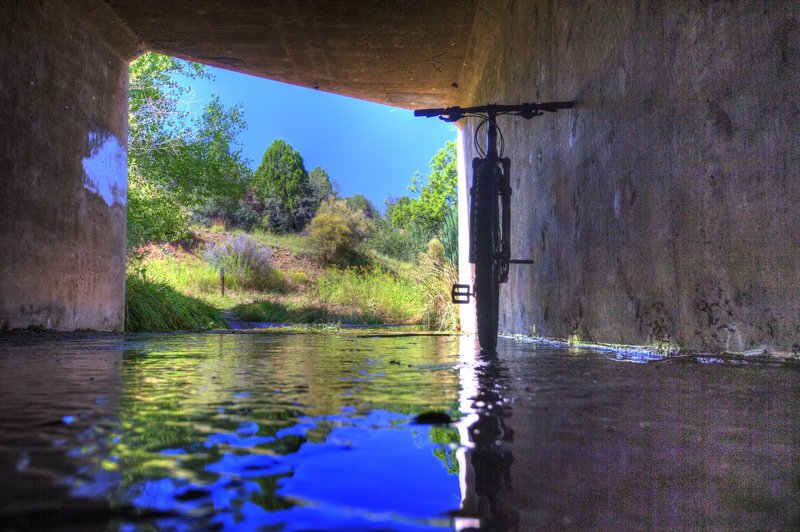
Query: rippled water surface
317 431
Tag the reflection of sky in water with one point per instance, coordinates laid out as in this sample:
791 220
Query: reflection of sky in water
199 432
373 471
105 170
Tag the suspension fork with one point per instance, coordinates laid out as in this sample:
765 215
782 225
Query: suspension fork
505 230
504 189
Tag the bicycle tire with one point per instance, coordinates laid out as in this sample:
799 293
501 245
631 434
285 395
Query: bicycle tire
486 240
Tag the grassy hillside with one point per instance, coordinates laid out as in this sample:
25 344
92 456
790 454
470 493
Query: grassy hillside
273 278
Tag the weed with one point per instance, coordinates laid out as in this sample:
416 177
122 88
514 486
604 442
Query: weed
187 274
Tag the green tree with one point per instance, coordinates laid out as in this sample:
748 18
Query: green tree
360 203
282 175
320 185
176 163
436 194
398 211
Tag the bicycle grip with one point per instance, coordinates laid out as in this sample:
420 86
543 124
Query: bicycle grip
554 106
430 112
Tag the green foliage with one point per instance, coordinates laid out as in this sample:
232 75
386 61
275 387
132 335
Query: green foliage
396 242
320 185
282 174
435 275
290 198
154 214
156 306
335 233
398 211
175 164
188 275
436 194
360 203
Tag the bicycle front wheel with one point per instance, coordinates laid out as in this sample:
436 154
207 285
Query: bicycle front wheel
486 236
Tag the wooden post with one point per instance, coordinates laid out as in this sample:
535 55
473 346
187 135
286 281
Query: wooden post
222 280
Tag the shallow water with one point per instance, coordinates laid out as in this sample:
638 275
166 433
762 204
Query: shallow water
316 431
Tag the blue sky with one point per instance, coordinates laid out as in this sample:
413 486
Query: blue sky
366 147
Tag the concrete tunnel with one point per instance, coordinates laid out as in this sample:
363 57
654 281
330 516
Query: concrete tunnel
662 211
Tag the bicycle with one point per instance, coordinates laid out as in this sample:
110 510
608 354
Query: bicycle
490 210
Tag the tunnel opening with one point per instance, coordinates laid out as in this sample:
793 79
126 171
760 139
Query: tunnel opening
261 199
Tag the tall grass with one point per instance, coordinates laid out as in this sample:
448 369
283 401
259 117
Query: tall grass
188 274
156 306
372 292
435 275
449 236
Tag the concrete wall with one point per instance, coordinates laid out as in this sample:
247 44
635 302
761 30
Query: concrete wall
665 208
63 110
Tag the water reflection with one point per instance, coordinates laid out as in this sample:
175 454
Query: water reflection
297 432
486 459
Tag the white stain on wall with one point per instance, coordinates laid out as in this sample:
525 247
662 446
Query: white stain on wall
105 170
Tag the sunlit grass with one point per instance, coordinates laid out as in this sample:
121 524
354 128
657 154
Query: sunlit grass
157 306
294 242
188 274
394 298
198 278
386 291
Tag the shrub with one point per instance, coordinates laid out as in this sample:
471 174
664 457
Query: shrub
336 232
154 215
246 262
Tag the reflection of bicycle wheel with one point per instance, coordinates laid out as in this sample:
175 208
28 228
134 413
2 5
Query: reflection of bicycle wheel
486 242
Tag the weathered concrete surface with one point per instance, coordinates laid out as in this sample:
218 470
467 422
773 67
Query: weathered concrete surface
403 52
664 209
63 110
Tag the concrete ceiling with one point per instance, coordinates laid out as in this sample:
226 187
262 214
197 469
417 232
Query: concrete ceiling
406 53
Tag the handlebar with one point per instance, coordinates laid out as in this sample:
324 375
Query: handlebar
525 110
